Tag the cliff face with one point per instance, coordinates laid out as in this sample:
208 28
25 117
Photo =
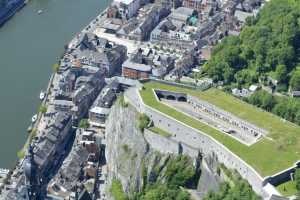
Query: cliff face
125 148
130 159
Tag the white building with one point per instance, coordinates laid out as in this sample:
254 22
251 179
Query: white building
127 8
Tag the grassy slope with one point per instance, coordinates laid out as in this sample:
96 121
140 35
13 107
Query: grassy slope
266 156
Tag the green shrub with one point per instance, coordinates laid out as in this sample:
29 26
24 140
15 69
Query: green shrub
21 154
117 191
122 102
143 121
43 109
55 67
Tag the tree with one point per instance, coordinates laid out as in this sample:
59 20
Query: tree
295 80
281 73
268 43
43 109
55 67
280 109
117 190
143 121
228 74
268 102
84 123
297 118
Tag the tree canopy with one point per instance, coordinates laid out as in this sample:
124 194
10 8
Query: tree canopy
268 44
285 107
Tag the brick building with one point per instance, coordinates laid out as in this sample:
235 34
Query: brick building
135 70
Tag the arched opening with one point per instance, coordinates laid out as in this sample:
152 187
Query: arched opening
160 96
171 97
182 98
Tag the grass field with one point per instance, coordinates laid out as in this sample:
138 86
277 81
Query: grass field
287 189
268 156
160 131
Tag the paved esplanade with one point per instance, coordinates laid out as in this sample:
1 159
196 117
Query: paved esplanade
29 45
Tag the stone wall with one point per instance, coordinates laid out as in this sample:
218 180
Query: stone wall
168 145
199 140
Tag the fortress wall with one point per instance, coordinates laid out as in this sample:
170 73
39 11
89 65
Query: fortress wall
168 145
199 140
160 143
206 145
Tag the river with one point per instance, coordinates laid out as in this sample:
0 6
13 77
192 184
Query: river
29 45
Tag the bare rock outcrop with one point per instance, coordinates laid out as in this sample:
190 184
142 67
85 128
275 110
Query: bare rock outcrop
130 159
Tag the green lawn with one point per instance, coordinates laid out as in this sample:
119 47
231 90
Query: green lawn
287 189
160 131
266 156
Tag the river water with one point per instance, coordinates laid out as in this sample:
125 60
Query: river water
29 45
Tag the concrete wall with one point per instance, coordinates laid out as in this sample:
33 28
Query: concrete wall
199 140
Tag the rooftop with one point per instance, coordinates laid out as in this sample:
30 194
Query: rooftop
136 66
127 2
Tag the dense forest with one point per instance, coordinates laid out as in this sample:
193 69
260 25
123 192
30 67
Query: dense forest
285 107
268 47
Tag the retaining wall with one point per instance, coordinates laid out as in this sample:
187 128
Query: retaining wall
283 176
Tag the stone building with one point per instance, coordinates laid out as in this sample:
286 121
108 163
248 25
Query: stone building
52 145
136 71
127 8
149 16
101 106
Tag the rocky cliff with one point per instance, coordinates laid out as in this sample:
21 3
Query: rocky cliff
130 158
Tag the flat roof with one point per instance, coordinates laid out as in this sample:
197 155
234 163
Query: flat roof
241 15
100 110
127 2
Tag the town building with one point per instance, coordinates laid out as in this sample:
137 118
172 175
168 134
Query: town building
86 93
204 8
147 62
89 50
295 93
51 146
148 18
75 172
127 8
135 71
175 29
101 106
